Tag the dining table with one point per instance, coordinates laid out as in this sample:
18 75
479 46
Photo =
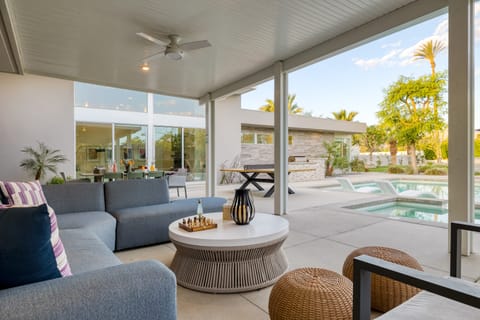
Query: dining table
252 176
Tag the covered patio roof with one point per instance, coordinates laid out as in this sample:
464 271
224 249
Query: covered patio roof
252 41
95 41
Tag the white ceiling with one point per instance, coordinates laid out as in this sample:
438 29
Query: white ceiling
94 40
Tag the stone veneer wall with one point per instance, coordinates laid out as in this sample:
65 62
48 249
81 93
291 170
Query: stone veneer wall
305 143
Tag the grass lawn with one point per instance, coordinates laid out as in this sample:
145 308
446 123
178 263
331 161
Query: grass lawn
379 169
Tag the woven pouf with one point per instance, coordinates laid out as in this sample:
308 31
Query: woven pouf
386 293
311 293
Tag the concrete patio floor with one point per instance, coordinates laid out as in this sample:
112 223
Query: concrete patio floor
321 235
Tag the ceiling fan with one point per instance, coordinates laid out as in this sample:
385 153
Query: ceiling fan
171 47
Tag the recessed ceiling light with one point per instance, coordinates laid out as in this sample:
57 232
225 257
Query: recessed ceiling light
145 67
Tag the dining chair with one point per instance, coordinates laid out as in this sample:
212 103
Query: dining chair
112 176
135 175
178 181
155 174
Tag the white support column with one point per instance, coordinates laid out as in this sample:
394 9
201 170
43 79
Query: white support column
211 178
460 115
280 139
150 132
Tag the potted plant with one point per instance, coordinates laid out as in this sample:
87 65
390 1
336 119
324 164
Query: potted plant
41 160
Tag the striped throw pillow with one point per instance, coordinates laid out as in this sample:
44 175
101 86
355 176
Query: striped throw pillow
31 194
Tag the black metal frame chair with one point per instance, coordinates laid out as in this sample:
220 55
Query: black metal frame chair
451 288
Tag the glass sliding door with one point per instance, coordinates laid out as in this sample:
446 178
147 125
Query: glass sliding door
168 148
130 146
94 146
194 152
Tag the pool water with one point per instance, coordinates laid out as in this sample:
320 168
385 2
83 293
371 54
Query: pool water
414 210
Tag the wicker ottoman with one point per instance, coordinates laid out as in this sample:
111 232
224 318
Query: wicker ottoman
386 293
311 293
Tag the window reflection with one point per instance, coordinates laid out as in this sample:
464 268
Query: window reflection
177 106
100 97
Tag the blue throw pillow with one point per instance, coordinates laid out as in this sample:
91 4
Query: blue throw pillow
3 198
26 254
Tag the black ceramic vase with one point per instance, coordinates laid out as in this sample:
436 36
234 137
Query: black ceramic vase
242 210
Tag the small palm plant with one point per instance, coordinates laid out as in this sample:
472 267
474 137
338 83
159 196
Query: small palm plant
42 160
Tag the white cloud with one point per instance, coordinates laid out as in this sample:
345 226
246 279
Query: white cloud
404 56
395 44
371 63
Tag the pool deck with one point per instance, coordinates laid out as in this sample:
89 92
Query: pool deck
322 234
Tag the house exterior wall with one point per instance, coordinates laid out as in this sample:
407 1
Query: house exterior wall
35 109
308 144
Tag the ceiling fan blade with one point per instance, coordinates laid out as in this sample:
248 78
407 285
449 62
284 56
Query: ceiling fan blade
189 46
153 56
162 42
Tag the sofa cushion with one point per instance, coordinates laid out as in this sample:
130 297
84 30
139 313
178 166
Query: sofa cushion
135 193
86 252
30 193
101 223
26 254
427 305
75 197
146 225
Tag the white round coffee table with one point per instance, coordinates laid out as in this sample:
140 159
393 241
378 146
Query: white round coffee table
230 258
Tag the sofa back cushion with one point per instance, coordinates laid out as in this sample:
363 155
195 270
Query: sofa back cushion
26 252
31 194
75 197
135 193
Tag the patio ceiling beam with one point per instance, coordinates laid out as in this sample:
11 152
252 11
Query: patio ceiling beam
8 38
386 24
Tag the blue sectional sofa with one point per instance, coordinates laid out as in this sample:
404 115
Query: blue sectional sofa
95 219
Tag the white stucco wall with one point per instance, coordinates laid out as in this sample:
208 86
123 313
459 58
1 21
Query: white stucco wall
34 108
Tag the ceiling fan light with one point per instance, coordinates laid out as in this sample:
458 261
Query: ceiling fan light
145 67
174 54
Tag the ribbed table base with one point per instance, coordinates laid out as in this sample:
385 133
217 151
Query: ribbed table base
224 270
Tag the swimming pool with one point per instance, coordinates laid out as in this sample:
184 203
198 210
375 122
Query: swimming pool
412 210
439 188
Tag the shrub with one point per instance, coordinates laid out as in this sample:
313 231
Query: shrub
409 170
424 168
444 148
56 180
358 165
436 171
429 154
396 169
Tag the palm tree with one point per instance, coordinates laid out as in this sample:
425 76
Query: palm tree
293 108
428 51
342 115
42 160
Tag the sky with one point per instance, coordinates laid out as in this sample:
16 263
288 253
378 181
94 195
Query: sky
355 80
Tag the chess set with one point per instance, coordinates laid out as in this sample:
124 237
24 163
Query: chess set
197 224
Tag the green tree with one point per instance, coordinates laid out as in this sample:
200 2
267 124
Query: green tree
407 110
293 107
373 139
41 160
343 115
392 140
